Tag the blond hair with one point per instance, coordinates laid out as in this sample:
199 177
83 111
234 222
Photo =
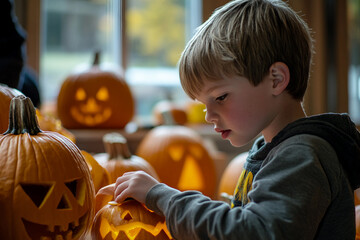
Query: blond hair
245 37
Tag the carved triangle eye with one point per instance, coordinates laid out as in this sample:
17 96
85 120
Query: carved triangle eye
78 189
72 186
36 192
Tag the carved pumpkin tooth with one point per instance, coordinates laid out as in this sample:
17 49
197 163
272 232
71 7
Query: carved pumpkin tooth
75 223
59 237
68 235
64 228
45 238
51 228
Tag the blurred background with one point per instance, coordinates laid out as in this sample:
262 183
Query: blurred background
144 39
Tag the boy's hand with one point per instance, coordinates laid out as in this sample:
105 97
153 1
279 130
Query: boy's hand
133 185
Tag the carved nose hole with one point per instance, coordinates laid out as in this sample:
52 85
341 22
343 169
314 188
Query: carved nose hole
64 203
126 216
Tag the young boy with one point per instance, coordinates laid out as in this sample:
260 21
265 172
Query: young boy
249 64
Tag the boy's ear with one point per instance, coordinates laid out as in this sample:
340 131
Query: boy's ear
280 76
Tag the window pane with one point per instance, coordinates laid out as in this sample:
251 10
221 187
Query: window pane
72 31
354 71
157 31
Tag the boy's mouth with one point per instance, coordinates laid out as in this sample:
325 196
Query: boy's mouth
224 133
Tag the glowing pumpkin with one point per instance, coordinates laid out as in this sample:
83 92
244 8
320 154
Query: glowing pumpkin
100 176
46 189
178 114
95 98
180 158
6 94
230 176
129 220
119 159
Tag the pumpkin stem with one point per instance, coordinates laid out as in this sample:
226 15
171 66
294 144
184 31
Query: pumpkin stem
168 118
22 117
96 61
116 146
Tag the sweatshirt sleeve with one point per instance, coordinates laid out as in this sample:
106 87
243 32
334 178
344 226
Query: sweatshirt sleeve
289 198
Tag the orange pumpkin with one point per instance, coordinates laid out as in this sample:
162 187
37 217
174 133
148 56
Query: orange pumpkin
46 188
180 158
119 159
230 176
357 221
95 98
129 220
357 196
99 175
49 123
6 94
177 113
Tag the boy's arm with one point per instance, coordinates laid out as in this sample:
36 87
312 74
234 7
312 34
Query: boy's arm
289 198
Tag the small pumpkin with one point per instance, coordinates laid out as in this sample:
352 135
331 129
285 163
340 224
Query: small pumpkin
357 196
6 94
196 112
129 220
119 159
50 123
100 176
230 176
180 158
95 98
46 188
178 114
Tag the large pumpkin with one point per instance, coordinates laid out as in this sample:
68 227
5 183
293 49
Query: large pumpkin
100 176
45 188
95 98
180 158
118 158
129 220
6 94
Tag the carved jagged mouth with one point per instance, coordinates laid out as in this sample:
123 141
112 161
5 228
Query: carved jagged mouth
132 230
47 232
90 119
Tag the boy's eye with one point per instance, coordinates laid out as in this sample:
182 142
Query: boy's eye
221 98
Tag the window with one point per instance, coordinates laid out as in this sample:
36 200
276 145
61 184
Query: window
156 32
354 66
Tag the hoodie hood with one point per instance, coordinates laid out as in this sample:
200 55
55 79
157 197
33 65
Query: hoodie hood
336 129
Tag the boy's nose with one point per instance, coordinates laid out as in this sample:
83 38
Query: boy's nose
209 116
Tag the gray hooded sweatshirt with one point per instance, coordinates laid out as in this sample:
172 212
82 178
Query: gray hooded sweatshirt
302 188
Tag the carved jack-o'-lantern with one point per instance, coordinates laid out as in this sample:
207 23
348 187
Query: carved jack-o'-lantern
45 189
129 220
180 158
95 98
